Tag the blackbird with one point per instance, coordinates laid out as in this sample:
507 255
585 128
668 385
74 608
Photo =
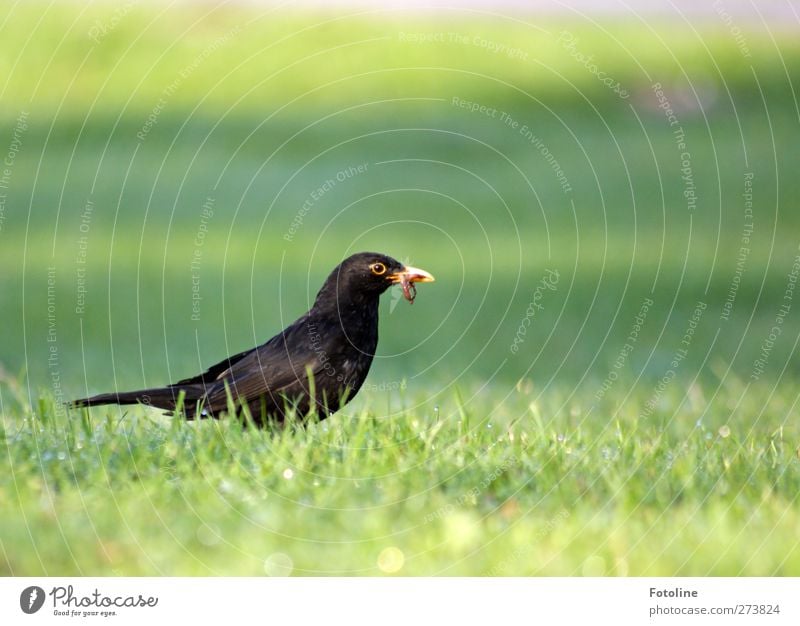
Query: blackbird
318 363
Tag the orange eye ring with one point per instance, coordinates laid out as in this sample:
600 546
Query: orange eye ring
379 269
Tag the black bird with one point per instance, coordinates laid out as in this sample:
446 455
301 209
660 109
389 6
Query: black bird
318 362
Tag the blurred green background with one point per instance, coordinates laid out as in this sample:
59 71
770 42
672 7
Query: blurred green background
178 180
136 118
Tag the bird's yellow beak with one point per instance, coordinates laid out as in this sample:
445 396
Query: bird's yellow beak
407 277
411 275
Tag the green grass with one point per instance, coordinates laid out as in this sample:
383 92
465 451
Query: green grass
530 485
445 455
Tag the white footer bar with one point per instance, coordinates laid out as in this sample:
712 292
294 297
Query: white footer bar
401 601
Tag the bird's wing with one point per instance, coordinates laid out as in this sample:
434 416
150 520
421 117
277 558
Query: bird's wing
277 368
212 374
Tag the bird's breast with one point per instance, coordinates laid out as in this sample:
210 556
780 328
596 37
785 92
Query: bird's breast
350 351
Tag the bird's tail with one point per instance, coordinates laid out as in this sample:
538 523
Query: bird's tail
162 398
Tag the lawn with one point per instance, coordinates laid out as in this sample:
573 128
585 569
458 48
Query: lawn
601 381
496 483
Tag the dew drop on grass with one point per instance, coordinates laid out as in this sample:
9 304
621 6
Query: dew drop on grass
288 474
462 530
278 564
724 431
391 560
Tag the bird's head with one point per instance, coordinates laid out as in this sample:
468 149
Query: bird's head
369 274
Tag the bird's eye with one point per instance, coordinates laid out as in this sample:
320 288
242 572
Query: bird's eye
379 269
